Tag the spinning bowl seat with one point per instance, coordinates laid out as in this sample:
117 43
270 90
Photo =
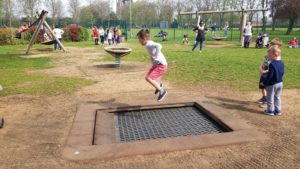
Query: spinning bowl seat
118 52
219 38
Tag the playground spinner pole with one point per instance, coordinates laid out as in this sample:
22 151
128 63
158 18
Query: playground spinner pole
243 23
130 19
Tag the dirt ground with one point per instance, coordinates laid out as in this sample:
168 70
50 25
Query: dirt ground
37 127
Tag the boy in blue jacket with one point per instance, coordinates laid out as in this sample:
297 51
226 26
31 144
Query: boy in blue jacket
273 82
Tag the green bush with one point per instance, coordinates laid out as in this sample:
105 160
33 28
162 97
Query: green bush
84 34
75 33
6 37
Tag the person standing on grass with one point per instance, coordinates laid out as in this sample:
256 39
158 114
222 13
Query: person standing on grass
101 33
201 30
110 36
263 69
95 35
247 34
213 30
273 82
225 29
118 34
159 63
58 34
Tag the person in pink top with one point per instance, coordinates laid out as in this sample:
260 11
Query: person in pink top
95 35
159 63
23 28
294 43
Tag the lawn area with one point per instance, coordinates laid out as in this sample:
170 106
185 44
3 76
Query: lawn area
16 81
233 65
233 34
230 65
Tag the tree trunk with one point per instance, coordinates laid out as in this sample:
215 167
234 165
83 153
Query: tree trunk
264 16
273 23
291 25
264 21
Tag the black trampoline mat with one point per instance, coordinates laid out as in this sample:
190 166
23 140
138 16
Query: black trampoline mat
163 123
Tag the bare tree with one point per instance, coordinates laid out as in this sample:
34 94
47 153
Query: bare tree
74 7
287 9
30 7
56 8
8 11
165 9
264 4
251 4
179 6
274 7
101 9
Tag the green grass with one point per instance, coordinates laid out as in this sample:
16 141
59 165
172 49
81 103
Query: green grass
232 66
233 34
15 80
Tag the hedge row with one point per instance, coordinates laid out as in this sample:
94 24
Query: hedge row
72 33
75 33
6 36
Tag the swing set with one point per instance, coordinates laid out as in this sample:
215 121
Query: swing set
243 18
46 30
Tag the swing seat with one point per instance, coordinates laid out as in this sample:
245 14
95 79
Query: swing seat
218 38
18 35
50 42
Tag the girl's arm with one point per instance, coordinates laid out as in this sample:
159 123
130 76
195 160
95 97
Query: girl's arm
198 22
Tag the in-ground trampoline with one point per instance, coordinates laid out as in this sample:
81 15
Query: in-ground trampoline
106 133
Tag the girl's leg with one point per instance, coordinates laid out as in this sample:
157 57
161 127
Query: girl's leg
55 45
60 40
154 83
195 45
201 45
264 92
102 40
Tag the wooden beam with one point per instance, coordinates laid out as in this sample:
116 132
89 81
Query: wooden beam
227 11
34 36
243 24
42 21
51 32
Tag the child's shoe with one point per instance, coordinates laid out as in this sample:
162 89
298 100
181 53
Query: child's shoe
162 95
269 113
156 91
263 100
277 113
1 122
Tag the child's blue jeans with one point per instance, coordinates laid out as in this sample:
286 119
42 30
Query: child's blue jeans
273 98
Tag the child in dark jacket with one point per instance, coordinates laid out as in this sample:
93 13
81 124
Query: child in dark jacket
273 82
